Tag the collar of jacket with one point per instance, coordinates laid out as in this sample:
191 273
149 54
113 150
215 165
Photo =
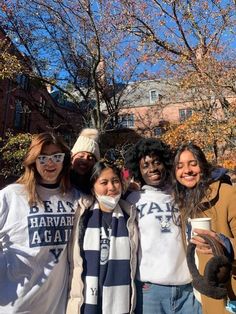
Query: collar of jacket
126 206
85 201
214 190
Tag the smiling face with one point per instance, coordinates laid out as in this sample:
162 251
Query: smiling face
83 162
187 170
152 170
49 170
108 183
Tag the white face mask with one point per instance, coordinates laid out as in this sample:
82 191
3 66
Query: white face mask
108 202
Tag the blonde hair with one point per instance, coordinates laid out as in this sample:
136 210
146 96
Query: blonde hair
31 176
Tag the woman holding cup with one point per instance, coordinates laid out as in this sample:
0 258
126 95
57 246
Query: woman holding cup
198 195
163 281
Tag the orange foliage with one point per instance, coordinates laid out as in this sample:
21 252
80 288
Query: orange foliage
208 133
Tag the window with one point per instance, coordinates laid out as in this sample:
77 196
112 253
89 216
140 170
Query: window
18 114
49 114
158 131
22 116
154 96
45 109
126 121
23 81
184 114
42 104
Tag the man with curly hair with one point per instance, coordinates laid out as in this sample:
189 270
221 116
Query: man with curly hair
163 279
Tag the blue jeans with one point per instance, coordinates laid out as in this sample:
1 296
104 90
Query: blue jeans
158 299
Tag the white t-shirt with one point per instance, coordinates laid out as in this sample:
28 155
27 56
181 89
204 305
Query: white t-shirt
162 258
34 266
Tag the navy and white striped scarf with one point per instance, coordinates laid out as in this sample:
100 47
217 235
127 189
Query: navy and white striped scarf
115 294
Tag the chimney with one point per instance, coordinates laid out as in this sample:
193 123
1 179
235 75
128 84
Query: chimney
49 88
101 72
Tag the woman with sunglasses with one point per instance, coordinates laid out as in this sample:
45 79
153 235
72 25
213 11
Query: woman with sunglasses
36 220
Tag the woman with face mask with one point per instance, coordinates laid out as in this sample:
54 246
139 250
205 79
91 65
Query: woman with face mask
103 253
198 194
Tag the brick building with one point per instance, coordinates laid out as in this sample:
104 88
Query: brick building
27 106
149 106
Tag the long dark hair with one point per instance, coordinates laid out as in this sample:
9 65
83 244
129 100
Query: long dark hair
189 201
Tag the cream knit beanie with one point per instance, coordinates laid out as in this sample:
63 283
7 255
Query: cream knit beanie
87 142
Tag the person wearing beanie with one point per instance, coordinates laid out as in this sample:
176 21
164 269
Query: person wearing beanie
85 153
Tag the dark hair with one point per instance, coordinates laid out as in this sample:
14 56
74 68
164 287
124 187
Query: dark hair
99 167
189 200
148 147
31 176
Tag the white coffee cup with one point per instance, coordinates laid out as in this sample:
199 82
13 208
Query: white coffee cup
201 223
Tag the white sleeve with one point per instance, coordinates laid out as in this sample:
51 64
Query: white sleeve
4 209
3 215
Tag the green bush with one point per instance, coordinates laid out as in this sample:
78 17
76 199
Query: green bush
12 151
